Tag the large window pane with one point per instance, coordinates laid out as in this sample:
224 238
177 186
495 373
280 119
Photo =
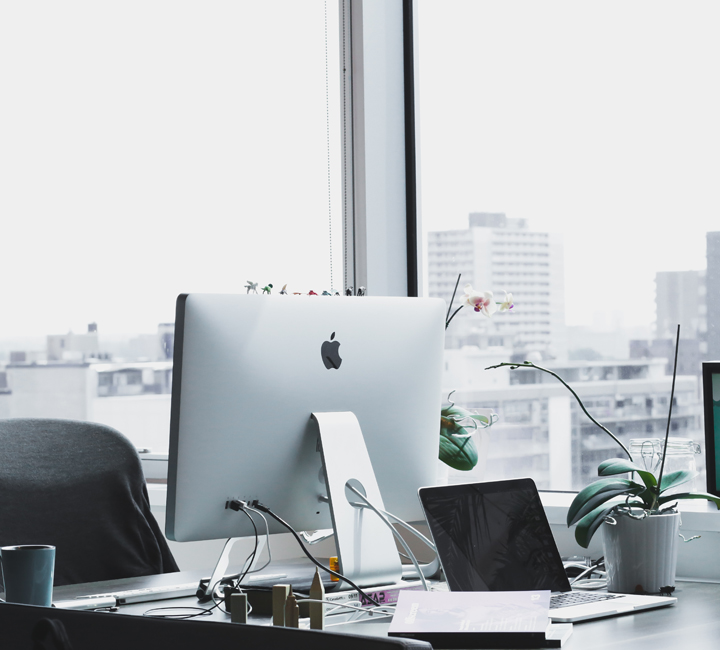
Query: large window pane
569 152
148 149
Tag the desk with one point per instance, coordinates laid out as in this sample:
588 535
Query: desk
693 622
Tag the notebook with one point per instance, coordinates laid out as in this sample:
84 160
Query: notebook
494 536
480 619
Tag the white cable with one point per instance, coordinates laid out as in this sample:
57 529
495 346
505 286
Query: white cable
414 531
427 570
403 543
586 569
267 539
590 583
384 610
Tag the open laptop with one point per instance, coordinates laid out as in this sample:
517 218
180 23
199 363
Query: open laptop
494 536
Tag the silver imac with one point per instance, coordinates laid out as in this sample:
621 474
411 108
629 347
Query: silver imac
249 372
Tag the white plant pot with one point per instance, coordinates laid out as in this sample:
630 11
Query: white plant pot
641 554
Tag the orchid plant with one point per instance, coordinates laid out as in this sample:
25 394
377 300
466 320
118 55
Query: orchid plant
614 494
459 425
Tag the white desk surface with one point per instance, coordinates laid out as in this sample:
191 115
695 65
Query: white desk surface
693 623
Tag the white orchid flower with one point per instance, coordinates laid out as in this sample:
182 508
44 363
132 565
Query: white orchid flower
507 304
481 301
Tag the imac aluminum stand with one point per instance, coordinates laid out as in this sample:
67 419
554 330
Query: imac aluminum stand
366 547
205 589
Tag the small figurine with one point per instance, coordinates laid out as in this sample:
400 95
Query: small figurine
317 608
292 611
326 293
266 289
311 293
349 291
282 291
361 291
251 286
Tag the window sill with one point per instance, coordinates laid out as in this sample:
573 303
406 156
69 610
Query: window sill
697 559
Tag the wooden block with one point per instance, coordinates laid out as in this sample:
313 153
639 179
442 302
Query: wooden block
280 594
238 608
292 612
317 610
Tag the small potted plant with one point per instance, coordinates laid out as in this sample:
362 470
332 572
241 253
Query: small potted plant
638 517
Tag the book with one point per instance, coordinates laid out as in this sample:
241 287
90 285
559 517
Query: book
385 595
477 619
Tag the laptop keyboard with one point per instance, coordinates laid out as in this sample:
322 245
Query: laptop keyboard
579 598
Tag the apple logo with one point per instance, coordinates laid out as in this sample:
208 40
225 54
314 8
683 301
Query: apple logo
330 355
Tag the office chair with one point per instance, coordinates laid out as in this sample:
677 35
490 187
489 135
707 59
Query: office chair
80 487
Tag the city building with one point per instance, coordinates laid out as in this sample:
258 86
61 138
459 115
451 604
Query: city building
541 430
131 397
74 347
712 295
500 254
72 379
680 300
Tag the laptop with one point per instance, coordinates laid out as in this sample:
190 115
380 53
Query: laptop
495 536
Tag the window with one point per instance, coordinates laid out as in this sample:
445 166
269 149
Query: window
573 147
150 148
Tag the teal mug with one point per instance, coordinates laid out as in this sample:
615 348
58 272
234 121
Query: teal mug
28 573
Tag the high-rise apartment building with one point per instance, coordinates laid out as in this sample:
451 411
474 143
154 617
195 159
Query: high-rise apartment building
541 430
712 295
680 299
500 254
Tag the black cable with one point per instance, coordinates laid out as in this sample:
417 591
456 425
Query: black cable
164 612
265 509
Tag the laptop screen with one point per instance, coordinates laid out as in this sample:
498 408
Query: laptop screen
493 536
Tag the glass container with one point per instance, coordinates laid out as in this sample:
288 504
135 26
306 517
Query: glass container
681 452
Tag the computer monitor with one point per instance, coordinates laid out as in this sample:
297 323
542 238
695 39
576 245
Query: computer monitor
249 370
711 401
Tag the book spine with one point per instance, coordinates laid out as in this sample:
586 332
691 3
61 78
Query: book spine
384 596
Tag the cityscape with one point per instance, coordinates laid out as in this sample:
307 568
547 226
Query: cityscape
624 378
624 381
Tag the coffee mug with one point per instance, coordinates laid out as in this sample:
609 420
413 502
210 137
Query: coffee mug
28 572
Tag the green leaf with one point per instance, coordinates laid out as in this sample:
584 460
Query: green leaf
614 466
454 411
484 421
587 526
598 493
458 453
676 478
690 495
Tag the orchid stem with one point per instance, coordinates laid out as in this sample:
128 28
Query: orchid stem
448 318
530 364
453 316
667 430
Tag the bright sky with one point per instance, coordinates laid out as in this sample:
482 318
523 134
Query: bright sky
152 147
595 119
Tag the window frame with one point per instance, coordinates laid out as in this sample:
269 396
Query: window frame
381 218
